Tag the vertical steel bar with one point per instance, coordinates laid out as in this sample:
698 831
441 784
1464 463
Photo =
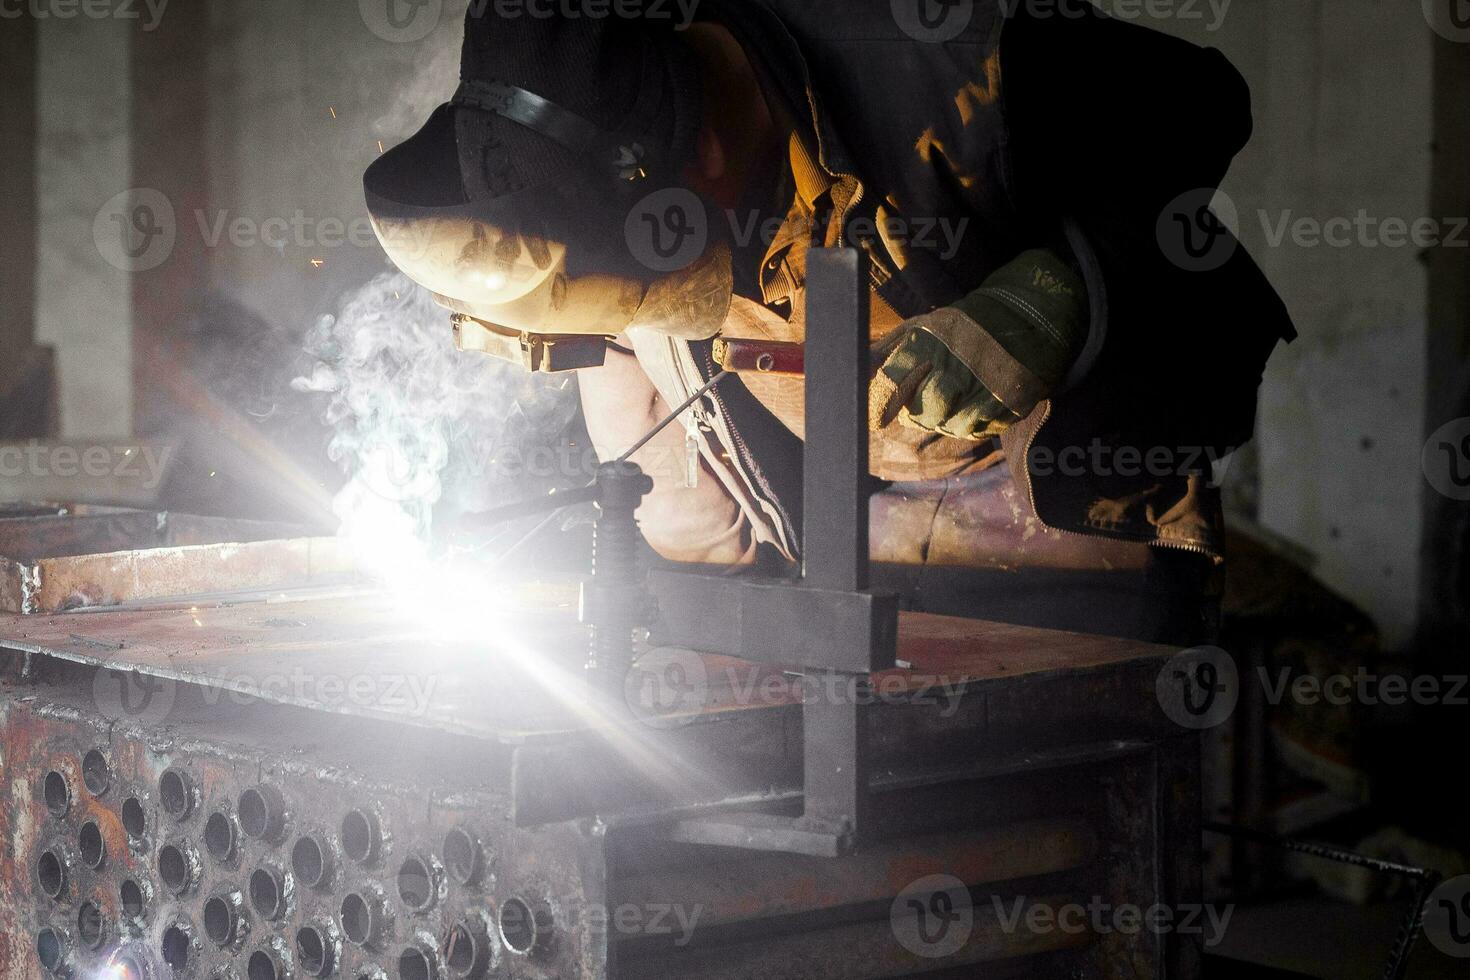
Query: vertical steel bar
835 508
835 500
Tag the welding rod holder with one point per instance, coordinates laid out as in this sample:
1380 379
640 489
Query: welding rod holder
615 601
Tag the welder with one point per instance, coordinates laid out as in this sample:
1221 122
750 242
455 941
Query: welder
1065 339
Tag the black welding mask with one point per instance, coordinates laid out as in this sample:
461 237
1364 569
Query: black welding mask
515 203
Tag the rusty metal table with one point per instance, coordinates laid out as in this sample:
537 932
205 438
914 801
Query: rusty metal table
1033 766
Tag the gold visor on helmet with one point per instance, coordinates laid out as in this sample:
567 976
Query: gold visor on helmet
548 300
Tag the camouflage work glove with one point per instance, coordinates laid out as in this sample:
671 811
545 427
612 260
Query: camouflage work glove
973 369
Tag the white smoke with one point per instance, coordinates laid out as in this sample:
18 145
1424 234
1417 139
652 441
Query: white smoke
434 77
421 428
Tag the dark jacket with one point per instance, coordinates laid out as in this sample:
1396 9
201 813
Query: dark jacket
1025 126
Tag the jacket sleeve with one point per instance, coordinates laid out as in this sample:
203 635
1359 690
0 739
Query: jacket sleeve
1111 124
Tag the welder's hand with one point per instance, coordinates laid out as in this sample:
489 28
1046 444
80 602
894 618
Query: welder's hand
923 383
973 369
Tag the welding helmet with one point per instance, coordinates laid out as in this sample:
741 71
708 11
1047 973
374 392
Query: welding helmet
515 203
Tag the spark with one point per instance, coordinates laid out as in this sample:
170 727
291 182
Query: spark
380 146
318 263
333 110
115 969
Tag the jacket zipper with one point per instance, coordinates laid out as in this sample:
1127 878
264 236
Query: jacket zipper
1155 541
744 458
747 459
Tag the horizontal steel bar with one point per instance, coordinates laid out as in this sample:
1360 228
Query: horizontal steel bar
813 629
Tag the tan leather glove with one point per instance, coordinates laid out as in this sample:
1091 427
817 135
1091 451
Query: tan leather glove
973 369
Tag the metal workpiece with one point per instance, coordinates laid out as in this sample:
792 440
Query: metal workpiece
775 623
549 845
103 557
291 902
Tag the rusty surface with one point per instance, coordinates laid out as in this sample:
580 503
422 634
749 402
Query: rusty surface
51 562
483 734
229 644
415 800
81 531
866 951
1020 816
308 654
419 791
767 886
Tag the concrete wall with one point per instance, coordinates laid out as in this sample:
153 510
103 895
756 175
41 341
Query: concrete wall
1343 101
236 121
83 302
301 95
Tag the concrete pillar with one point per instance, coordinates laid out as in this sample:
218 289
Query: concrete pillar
171 109
83 292
1445 602
17 162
